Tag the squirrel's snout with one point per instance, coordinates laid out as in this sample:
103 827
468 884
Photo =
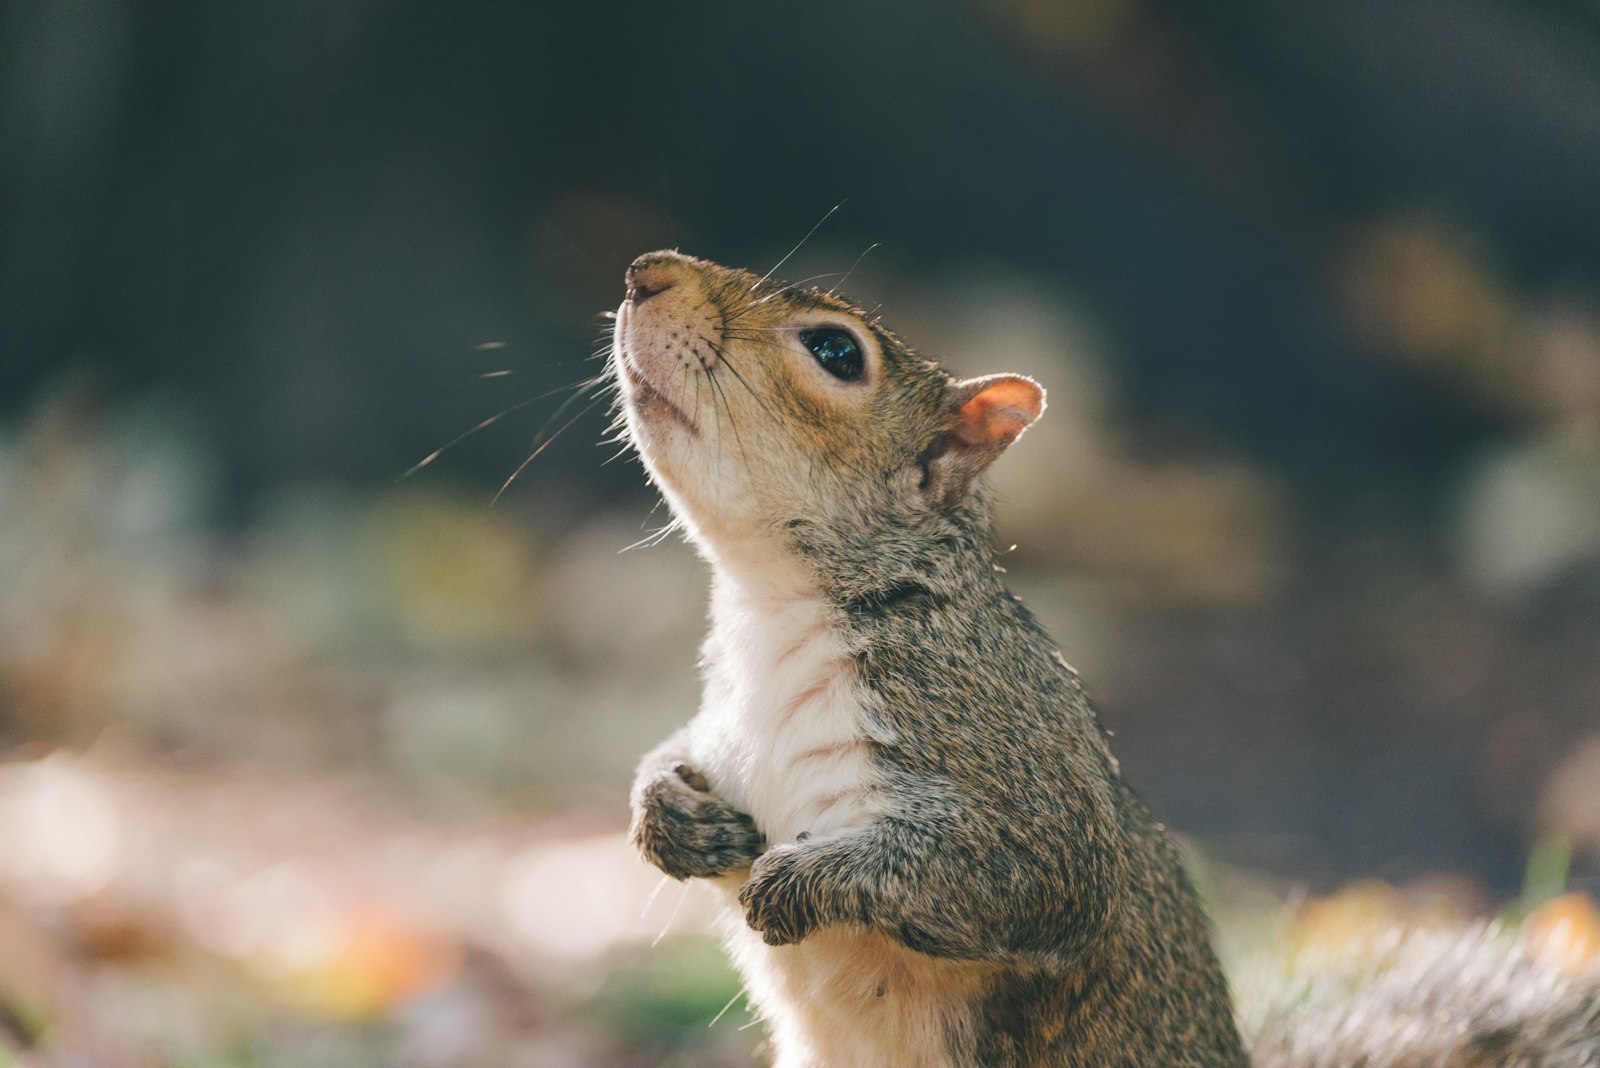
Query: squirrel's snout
654 273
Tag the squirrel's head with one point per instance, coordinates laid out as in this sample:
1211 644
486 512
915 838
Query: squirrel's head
759 406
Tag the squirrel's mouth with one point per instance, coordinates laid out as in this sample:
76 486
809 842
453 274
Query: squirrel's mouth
647 400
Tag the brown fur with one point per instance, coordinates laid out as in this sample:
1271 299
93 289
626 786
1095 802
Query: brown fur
1006 880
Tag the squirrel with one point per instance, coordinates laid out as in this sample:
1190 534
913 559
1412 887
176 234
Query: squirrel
924 846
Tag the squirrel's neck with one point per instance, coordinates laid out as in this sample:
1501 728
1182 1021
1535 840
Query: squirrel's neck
756 571
847 560
855 561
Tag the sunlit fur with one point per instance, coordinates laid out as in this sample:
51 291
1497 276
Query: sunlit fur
785 729
926 850
778 438
894 723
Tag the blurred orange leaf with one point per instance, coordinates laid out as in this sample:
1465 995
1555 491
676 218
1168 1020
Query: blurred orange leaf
1565 932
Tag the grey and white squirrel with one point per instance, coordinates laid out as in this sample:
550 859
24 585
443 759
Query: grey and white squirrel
926 851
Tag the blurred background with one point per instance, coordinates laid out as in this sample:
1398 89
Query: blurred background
306 762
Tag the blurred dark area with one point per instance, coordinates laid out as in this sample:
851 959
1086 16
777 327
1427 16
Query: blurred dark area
1315 286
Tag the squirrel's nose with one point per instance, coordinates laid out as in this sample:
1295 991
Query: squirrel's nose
643 285
653 273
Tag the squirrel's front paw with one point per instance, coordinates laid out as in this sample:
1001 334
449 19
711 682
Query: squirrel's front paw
774 901
687 831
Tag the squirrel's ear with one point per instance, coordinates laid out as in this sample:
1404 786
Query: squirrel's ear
987 414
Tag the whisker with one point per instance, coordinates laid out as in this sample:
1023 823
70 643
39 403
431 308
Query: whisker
723 353
535 453
716 393
672 918
673 527
853 267
651 900
803 240
725 1009
582 386
654 538
787 289
711 391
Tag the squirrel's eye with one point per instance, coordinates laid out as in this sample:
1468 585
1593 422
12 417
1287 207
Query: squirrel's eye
836 351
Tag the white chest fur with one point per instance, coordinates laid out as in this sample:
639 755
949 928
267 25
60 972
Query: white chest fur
783 731
783 734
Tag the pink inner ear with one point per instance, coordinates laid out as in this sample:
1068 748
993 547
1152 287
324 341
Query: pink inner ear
999 412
